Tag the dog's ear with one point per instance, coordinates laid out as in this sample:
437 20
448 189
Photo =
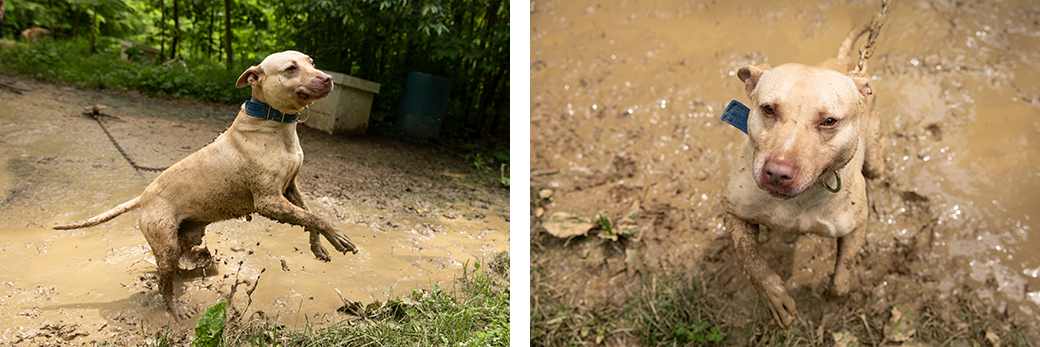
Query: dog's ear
750 74
862 85
250 77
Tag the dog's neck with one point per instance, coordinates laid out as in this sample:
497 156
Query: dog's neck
258 109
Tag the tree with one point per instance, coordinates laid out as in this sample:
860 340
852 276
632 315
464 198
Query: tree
227 35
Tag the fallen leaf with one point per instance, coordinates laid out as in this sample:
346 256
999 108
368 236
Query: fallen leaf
993 339
899 327
566 225
845 339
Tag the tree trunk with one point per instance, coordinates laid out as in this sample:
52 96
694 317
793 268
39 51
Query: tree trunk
176 31
500 110
162 35
93 33
227 34
209 36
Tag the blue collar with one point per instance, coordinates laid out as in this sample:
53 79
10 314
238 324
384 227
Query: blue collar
261 110
736 114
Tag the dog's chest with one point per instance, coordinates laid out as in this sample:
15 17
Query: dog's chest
816 211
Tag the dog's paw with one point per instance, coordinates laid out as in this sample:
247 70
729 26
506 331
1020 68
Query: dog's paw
780 305
179 311
341 242
839 284
320 253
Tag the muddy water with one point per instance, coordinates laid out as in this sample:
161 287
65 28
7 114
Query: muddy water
626 99
99 283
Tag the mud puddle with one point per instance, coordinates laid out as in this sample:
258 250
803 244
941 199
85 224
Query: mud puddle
417 218
625 106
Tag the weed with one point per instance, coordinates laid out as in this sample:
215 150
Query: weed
210 329
700 333
604 224
476 314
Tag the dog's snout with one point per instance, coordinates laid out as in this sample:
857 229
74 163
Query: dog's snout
325 78
778 173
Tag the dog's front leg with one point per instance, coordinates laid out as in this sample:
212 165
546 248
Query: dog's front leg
294 196
848 247
768 284
279 208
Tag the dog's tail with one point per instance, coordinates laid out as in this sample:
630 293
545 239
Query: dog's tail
104 217
846 46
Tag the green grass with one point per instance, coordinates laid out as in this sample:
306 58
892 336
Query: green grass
475 313
70 61
668 311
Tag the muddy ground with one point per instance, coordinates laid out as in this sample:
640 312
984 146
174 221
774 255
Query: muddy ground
626 99
417 213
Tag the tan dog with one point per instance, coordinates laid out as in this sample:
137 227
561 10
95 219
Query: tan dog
249 168
808 127
35 34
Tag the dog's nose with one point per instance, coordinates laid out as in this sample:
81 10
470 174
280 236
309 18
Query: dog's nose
778 173
325 78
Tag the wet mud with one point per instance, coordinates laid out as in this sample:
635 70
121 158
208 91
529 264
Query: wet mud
416 213
626 99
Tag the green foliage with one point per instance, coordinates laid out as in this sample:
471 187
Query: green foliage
675 310
379 40
477 314
665 312
700 333
73 17
69 62
504 178
604 224
209 332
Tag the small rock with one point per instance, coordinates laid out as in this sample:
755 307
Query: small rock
545 193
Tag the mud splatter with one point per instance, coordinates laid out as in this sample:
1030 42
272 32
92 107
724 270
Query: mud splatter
99 284
625 105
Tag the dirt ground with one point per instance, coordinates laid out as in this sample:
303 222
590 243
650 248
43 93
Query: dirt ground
418 214
626 99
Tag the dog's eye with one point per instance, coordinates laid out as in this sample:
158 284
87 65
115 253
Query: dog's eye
291 68
767 109
829 122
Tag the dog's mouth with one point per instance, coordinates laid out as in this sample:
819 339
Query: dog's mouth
311 95
782 194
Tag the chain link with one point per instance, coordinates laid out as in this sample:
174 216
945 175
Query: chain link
867 49
120 148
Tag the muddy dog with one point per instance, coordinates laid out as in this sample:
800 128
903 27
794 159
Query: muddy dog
813 134
250 168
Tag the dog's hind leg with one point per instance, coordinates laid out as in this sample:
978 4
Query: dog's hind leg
193 254
874 154
161 232
296 198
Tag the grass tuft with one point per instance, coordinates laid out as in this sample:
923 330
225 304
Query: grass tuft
476 313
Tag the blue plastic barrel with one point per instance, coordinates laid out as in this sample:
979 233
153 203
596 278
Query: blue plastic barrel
422 107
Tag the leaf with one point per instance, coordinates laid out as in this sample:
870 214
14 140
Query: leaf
567 225
899 328
845 339
210 330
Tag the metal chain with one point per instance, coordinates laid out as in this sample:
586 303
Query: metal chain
120 148
867 49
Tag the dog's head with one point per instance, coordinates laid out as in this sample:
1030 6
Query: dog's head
804 123
287 81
